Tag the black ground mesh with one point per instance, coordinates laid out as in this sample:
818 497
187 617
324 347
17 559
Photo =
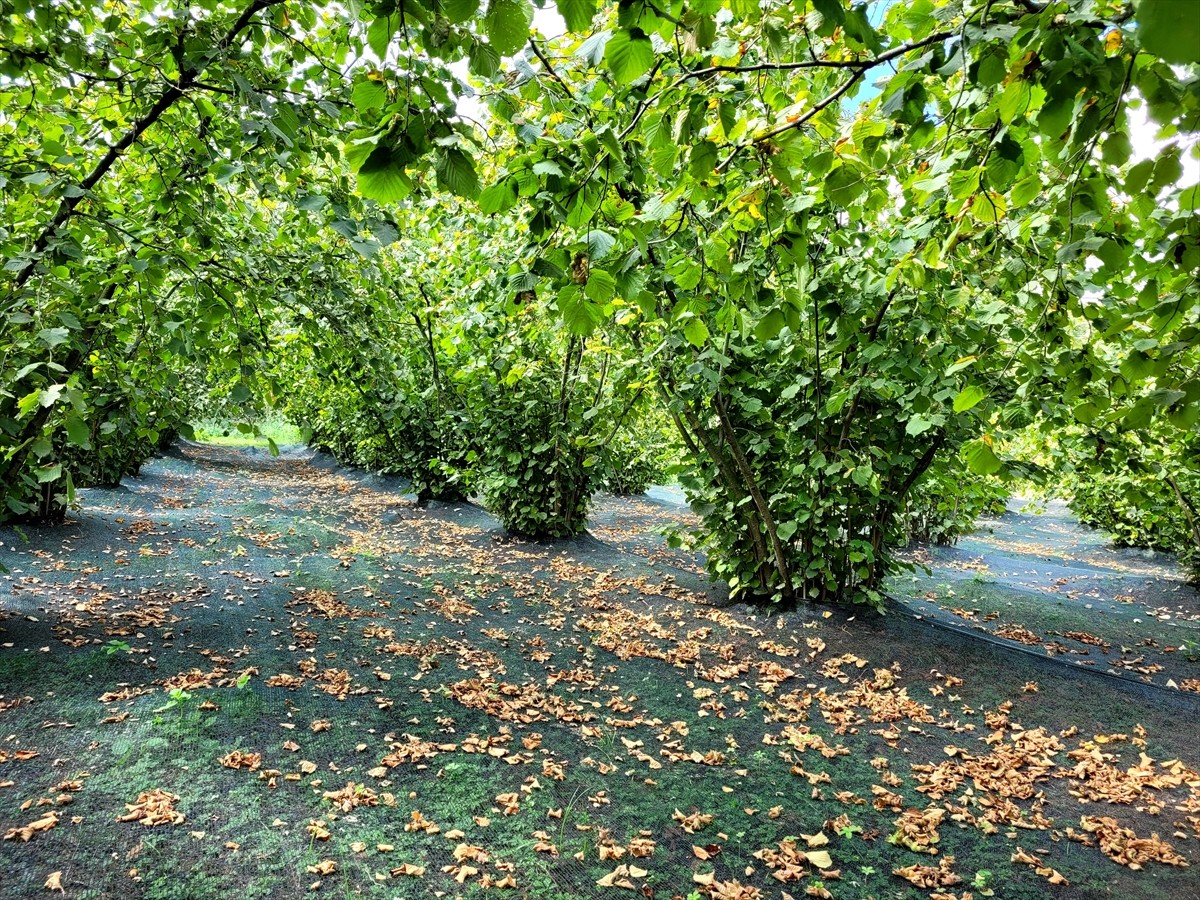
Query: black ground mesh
1036 577
429 708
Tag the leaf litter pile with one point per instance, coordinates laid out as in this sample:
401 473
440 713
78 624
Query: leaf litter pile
274 678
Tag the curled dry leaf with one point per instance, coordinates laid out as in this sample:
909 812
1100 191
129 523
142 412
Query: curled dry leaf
641 847
619 877
152 808
45 823
351 796
1122 845
238 759
940 875
1051 875
692 822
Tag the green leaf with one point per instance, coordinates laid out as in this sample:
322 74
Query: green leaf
456 173
696 332
379 35
226 172
770 325
483 60
507 25
832 14
459 11
577 14
629 55
500 197
658 210
618 210
1137 366
52 337
1014 101
685 272
1026 191
1190 198
1169 29
989 207
968 397
312 202
1086 412
600 286
381 177
600 243
579 314
583 208
981 459
703 158
49 473
49 396
1117 148
78 432
369 94
918 424
843 185
28 403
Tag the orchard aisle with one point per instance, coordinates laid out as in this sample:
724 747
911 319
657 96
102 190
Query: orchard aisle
1037 577
240 674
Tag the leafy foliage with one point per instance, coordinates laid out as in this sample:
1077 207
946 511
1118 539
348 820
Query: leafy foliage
1142 496
641 454
838 297
947 501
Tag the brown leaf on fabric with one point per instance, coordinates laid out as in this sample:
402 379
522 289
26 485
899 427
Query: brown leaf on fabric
940 875
408 869
152 808
693 822
1123 846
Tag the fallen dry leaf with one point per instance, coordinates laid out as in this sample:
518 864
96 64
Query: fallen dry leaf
152 808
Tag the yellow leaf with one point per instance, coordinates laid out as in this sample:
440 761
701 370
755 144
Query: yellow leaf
819 858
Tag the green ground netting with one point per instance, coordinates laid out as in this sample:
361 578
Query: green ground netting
433 709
